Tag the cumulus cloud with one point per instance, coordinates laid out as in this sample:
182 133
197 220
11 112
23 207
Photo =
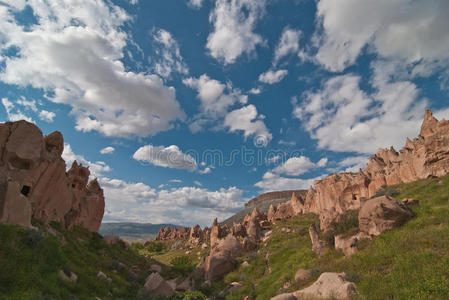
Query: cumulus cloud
215 97
97 169
234 22
247 120
169 57
107 150
12 113
168 157
344 118
272 77
104 96
47 116
216 100
353 163
274 182
195 3
288 44
295 166
413 32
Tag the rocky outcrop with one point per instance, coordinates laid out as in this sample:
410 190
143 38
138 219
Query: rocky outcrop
34 183
289 209
348 245
157 286
383 213
221 259
217 232
329 286
196 236
318 246
274 196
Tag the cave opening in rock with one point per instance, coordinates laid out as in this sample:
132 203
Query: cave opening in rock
25 190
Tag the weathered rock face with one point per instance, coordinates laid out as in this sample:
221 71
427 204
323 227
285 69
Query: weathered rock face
318 246
329 286
34 183
157 286
348 245
217 232
196 236
221 259
271 216
289 209
381 214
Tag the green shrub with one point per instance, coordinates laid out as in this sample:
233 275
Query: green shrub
182 265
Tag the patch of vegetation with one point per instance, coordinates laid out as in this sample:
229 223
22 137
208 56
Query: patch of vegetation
31 260
410 262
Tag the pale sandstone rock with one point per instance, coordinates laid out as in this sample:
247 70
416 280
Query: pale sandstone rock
348 245
158 286
111 239
221 259
329 286
303 275
318 246
381 214
31 165
285 296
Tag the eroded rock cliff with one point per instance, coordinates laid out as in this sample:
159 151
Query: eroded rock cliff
34 183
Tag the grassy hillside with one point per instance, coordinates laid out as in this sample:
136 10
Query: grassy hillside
411 262
133 231
30 262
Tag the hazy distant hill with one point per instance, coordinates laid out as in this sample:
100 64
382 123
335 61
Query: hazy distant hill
133 231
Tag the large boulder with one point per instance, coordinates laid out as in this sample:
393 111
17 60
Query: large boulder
221 259
329 286
348 245
157 286
382 213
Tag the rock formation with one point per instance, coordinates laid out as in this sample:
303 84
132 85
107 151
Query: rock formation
34 183
329 286
383 213
318 246
221 259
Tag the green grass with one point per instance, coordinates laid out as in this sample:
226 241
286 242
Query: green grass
30 262
410 262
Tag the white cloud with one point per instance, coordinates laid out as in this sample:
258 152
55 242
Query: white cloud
206 170
107 150
342 117
47 116
139 202
216 99
104 96
287 143
295 166
195 3
247 120
274 159
413 32
12 113
288 44
272 77
255 91
168 157
97 169
353 163
169 57
234 22
198 183
274 182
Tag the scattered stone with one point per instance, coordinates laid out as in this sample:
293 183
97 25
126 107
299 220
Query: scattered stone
410 201
381 214
234 286
158 286
156 268
102 276
68 277
329 285
349 244
245 264
303 275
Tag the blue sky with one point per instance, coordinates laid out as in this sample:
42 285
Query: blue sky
184 110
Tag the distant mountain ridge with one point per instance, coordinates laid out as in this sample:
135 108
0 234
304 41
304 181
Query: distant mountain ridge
133 231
